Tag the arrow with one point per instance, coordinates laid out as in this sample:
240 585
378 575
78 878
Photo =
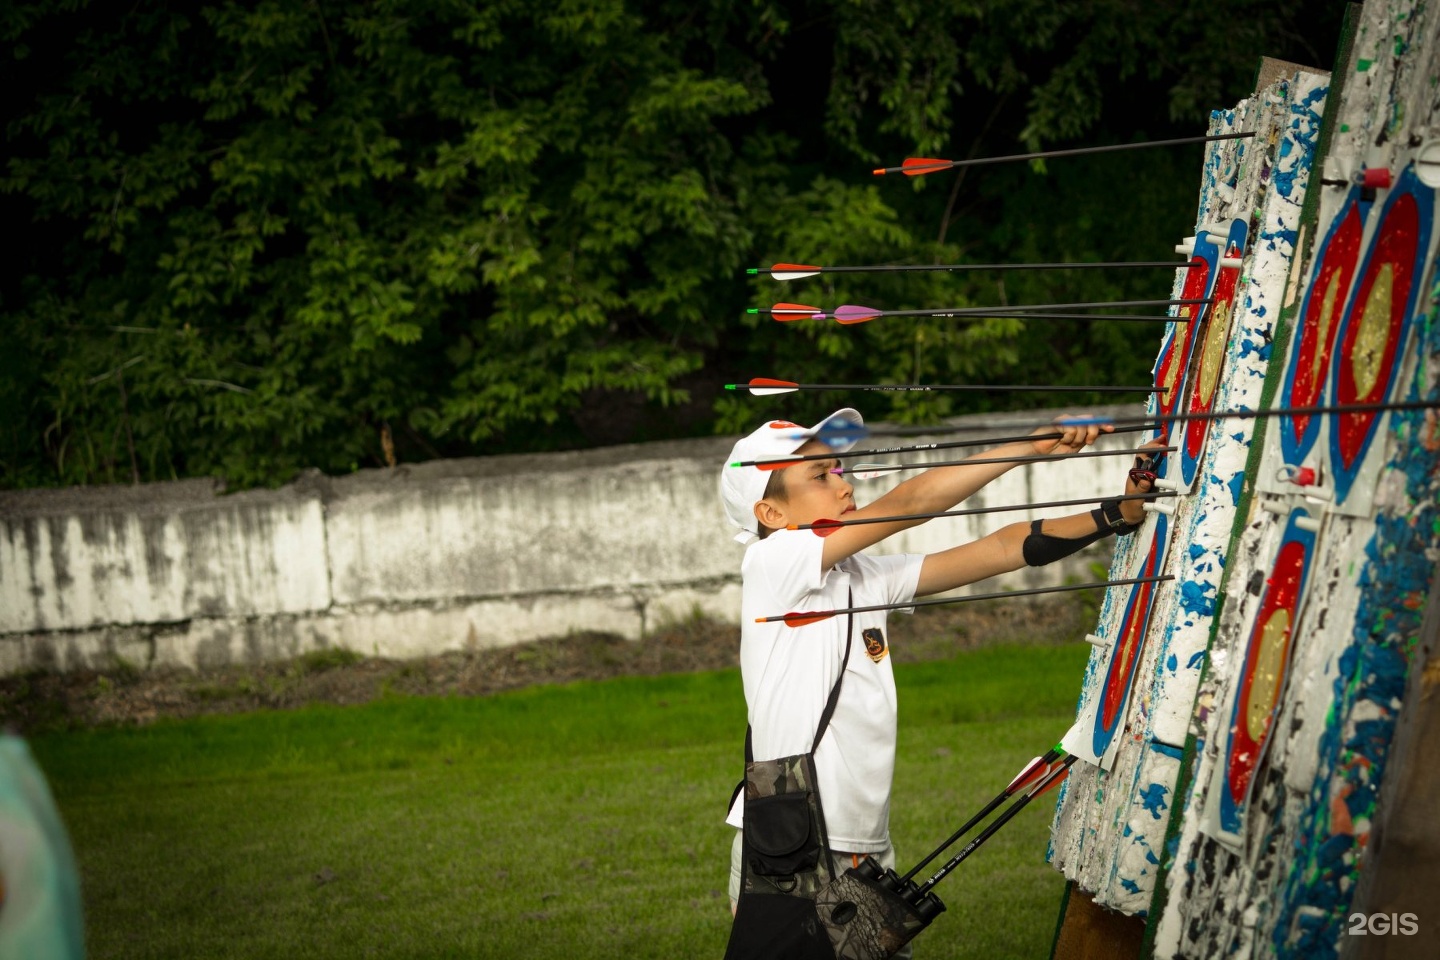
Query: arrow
789 312
766 387
799 271
800 619
1048 782
872 471
919 166
1029 774
852 313
1135 318
943 445
869 471
861 432
824 526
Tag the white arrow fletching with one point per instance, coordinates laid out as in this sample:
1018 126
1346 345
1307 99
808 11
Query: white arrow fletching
869 471
771 391
1024 770
793 275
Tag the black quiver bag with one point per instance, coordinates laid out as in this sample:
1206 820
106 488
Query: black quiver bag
792 906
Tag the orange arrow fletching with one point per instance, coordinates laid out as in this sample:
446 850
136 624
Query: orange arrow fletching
793 271
793 311
766 387
1033 771
825 526
776 464
1057 777
919 166
1052 784
804 619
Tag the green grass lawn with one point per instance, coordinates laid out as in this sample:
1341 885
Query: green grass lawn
569 821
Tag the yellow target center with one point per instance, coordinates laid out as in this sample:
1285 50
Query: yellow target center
1374 333
1327 317
1212 359
1265 681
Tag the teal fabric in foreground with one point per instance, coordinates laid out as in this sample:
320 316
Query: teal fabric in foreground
40 911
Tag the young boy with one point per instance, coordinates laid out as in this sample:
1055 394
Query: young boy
789 672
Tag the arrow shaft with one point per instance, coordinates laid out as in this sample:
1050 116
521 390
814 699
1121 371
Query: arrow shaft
931 267
1125 422
1050 757
927 388
1037 458
977 511
993 828
1075 152
1031 309
941 445
1003 594
1035 315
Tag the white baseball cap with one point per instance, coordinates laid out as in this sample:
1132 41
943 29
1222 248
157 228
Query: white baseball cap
743 487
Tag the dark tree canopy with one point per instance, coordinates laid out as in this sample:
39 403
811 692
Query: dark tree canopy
255 238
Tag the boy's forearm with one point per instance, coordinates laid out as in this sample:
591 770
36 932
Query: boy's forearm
1000 552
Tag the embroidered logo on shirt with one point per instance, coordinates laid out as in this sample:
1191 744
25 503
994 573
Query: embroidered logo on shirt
875 645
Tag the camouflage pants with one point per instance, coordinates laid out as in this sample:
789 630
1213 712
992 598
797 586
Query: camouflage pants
841 862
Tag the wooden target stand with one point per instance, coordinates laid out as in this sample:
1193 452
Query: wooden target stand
1404 850
1088 931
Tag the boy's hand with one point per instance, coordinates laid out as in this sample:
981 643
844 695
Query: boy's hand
1073 438
1141 480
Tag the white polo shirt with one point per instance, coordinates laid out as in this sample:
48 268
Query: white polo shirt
788 673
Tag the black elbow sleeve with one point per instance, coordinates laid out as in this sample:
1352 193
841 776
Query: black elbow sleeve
1041 548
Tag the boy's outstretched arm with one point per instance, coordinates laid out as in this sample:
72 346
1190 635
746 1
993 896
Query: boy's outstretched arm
941 488
1006 549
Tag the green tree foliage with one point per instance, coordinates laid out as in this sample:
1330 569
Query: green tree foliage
262 237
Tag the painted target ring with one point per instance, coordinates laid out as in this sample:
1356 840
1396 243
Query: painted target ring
1115 691
1377 323
1325 300
1174 362
1213 341
1267 658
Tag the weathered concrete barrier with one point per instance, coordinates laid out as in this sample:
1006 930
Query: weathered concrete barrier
413 560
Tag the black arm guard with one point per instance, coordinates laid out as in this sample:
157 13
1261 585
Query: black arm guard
1041 548
1109 519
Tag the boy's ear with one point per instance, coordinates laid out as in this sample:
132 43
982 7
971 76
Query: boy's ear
770 515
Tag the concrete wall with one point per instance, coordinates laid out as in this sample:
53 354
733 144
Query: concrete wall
417 559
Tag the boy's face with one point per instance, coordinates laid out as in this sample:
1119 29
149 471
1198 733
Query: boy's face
813 491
